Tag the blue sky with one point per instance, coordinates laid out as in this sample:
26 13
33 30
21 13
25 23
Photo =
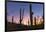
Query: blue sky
13 9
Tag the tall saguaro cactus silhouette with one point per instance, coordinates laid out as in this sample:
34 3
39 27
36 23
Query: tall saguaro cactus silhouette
31 13
21 15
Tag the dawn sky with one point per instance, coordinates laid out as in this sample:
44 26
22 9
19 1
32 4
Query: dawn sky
13 9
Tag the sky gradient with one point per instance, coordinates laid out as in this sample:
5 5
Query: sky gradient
13 9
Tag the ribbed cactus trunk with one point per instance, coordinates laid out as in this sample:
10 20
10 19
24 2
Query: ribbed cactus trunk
12 19
21 15
31 13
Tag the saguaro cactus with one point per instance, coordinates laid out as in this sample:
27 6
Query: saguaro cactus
31 13
21 15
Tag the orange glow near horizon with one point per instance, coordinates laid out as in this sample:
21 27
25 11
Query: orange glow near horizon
25 20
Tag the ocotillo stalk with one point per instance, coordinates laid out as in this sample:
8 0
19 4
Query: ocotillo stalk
31 13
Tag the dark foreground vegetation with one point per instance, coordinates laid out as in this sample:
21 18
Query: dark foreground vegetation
18 27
